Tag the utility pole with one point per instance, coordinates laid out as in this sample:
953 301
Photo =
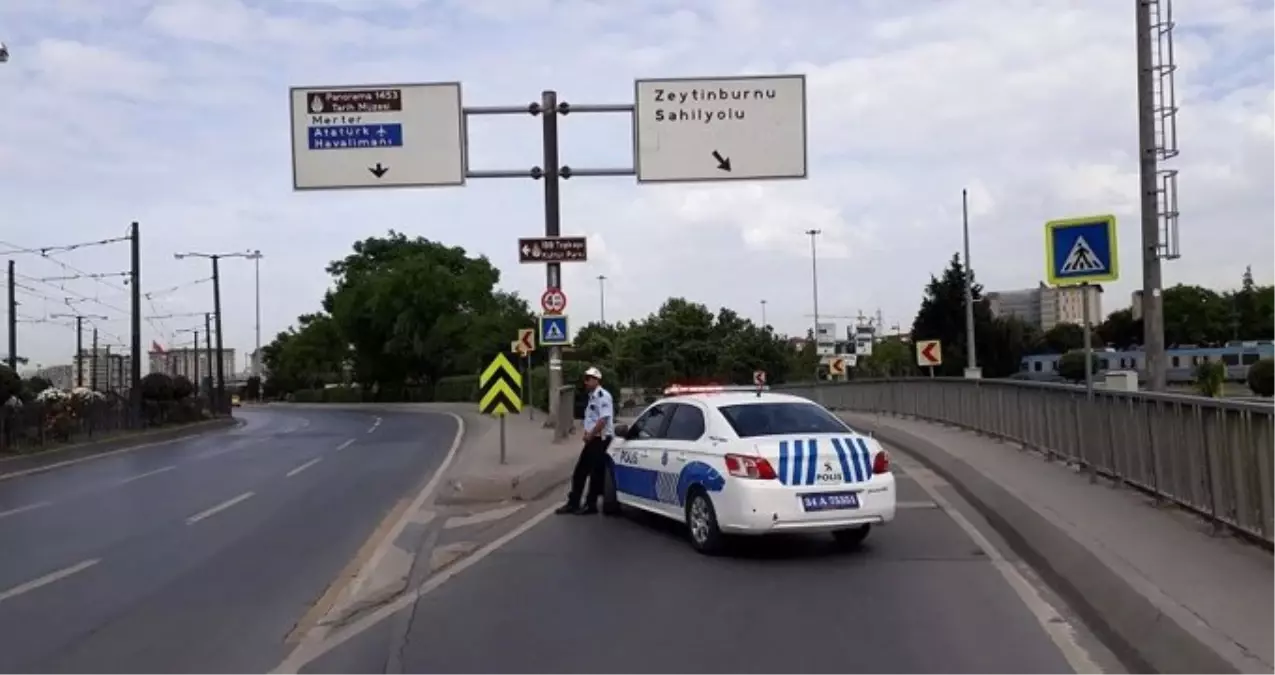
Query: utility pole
1157 140
13 319
553 226
814 287
219 368
79 340
93 375
208 351
135 376
194 356
971 359
763 314
602 299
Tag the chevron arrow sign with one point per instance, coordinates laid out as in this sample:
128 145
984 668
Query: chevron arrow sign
500 388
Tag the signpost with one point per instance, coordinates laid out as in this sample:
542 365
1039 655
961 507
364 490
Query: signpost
726 128
929 353
1082 251
553 301
399 135
500 393
553 249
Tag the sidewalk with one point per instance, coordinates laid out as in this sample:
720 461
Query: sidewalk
1124 563
534 463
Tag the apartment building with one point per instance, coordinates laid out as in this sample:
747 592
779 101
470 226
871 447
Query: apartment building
106 369
187 361
1047 306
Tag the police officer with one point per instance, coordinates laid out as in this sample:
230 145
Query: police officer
599 429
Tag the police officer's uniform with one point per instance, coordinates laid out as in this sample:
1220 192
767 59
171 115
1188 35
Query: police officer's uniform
591 466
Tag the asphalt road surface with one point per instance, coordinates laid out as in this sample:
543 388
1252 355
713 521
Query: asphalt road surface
590 594
199 555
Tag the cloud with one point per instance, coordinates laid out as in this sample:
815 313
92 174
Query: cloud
174 113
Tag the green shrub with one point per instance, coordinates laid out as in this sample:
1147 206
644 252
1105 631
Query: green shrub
456 389
307 396
1261 377
157 387
1210 378
343 395
10 384
1071 366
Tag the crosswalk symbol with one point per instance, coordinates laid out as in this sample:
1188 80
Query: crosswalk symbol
553 330
1081 258
500 388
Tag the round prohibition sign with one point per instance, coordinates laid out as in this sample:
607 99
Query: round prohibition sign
553 301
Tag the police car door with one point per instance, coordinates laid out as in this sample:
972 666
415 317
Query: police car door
635 478
680 460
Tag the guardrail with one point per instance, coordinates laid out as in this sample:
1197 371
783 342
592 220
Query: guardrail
1210 456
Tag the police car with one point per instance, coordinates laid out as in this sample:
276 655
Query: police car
739 460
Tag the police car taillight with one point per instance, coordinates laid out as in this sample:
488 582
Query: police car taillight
743 466
881 463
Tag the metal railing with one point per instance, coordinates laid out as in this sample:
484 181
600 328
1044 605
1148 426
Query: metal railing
1210 456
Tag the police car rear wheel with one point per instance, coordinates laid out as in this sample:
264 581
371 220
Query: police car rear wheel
852 536
701 521
610 503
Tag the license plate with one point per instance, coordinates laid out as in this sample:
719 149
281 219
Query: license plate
830 501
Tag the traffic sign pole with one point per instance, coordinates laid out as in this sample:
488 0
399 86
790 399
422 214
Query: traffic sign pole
553 228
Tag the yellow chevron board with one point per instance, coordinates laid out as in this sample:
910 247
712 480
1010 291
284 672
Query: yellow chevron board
500 388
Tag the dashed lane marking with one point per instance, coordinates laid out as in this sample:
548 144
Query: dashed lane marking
218 508
47 579
148 474
376 423
303 467
24 509
345 445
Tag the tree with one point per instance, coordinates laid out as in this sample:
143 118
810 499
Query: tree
36 384
999 343
1071 366
182 387
1063 337
1251 311
891 357
157 387
1120 330
1194 315
413 310
308 357
10 384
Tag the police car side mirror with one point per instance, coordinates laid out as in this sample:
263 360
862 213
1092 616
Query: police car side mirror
622 430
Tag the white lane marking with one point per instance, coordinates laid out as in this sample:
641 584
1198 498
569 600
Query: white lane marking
305 422
218 508
1050 619
360 579
303 467
47 579
24 509
481 517
345 445
112 453
318 643
147 474
375 424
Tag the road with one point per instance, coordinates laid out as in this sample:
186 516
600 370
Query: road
933 592
199 555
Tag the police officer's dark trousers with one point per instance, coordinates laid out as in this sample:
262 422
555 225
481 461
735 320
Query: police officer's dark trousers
590 467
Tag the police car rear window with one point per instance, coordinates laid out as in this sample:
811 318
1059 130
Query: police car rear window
777 419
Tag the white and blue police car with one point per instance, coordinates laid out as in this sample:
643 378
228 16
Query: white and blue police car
742 460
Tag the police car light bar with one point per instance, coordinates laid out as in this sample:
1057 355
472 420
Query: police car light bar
679 389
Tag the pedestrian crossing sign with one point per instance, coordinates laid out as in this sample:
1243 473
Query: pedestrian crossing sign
553 330
1081 251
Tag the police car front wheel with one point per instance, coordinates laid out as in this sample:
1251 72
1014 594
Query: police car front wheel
701 521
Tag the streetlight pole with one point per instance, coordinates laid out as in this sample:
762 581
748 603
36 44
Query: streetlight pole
814 287
602 299
971 360
763 314
255 256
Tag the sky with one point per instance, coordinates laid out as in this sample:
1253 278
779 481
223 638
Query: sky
174 114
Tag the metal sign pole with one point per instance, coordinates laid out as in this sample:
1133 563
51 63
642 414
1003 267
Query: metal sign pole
502 440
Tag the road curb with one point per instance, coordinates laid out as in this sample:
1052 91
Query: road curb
1137 632
524 487
47 460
